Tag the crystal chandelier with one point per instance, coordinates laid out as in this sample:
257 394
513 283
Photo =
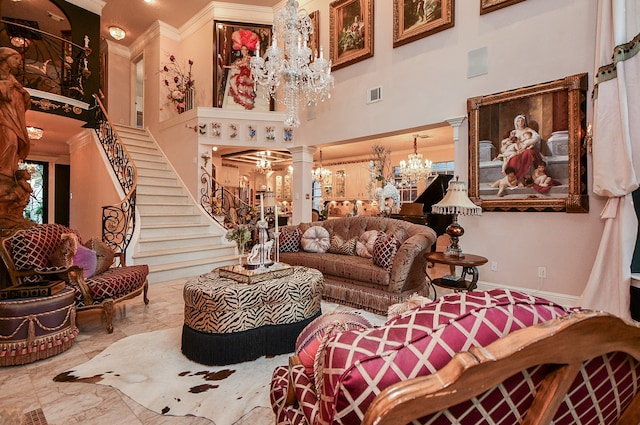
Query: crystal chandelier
414 170
305 74
263 164
321 174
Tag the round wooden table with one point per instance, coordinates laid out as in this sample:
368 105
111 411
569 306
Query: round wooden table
469 264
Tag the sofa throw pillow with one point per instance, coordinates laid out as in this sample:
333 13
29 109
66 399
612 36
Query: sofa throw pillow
289 240
364 245
67 248
315 239
339 246
315 334
384 250
104 254
87 259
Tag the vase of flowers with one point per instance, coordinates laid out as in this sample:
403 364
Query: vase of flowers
240 234
178 82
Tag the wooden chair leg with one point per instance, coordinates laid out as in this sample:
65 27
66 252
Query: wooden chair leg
144 293
107 309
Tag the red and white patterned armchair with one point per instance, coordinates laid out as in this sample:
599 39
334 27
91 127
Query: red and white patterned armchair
352 368
27 256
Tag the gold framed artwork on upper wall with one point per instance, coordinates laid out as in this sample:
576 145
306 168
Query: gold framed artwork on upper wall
233 85
314 39
413 19
526 149
487 6
350 31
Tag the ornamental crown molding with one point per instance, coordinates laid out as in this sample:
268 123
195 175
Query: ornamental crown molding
94 6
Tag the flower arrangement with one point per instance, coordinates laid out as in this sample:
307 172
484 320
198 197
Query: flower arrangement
240 234
178 82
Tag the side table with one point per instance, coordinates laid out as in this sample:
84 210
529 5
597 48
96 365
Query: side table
469 264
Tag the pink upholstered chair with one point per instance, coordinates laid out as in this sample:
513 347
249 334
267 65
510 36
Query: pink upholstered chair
356 366
26 254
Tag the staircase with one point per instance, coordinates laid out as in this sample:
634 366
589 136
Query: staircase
177 240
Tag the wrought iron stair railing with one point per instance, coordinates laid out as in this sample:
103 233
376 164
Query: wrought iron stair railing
118 220
222 205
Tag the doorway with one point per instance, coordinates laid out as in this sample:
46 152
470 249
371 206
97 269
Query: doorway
138 106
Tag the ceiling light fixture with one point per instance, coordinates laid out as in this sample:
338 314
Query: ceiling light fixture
35 133
305 75
413 170
321 174
263 164
117 32
20 42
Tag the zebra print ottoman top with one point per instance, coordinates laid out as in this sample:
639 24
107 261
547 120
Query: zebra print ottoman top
214 304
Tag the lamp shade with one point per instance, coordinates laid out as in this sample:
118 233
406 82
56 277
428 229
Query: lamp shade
270 199
456 201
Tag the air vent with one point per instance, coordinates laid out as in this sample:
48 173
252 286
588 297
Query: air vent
374 95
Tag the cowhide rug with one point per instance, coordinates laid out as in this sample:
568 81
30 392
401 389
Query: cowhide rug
159 377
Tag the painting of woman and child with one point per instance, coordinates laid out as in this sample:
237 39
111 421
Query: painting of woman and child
524 148
234 85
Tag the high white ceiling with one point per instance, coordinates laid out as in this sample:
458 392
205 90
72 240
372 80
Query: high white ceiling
135 17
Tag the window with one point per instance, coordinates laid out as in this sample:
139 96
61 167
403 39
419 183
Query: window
409 192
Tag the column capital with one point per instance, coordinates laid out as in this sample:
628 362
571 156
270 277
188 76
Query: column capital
456 123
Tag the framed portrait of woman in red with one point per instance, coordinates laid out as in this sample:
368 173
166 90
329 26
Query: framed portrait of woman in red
415 19
526 150
350 31
233 83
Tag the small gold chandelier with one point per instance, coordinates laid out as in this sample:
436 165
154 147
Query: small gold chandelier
321 174
413 170
263 165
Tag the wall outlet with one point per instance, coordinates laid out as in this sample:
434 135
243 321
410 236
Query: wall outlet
542 272
494 266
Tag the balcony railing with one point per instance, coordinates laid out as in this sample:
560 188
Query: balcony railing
50 63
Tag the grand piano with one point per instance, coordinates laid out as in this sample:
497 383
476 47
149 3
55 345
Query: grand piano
433 194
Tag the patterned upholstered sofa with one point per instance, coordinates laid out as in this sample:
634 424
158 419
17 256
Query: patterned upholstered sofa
27 257
352 368
356 280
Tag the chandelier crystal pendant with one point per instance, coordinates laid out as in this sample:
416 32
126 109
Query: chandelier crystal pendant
305 75
414 170
321 174
263 165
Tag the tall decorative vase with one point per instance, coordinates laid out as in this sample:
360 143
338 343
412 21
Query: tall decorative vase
240 253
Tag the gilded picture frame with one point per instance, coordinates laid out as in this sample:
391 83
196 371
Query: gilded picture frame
487 6
512 132
314 39
413 20
350 32
234 43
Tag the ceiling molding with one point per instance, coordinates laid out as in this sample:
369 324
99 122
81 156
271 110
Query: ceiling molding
94 6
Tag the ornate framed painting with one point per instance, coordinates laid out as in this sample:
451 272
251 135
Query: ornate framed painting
413 20
350 32
314 39
487 6
234 45
526 149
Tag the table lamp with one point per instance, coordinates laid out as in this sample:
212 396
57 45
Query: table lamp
270 202
456 202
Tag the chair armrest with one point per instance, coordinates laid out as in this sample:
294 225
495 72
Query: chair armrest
76 278
408 270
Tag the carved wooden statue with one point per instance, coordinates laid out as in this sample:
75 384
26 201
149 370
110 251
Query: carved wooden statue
14 142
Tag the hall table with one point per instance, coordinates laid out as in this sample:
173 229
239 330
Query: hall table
469 264
228 321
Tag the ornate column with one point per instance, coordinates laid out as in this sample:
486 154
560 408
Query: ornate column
302 157
460 147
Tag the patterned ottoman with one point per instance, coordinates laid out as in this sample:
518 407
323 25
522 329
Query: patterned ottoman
36 328
227 322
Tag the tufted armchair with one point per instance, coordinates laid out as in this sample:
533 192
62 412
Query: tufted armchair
27 257
353 368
